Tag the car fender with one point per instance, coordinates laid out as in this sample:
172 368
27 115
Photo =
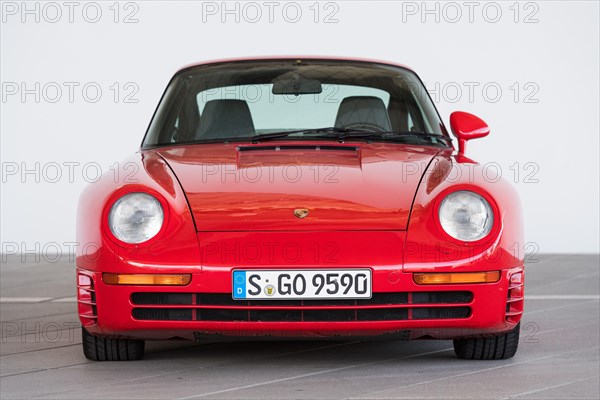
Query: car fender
428 247
175 244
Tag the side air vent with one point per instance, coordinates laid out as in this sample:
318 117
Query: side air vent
298 147
86 300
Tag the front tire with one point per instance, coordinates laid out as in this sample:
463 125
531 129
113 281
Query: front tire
104 349
498 347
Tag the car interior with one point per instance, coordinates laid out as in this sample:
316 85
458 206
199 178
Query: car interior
232 118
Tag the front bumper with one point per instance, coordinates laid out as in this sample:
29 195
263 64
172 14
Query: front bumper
205 308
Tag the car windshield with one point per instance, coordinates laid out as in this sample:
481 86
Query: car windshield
295 100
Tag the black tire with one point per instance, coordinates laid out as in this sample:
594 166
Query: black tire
497 347
104 349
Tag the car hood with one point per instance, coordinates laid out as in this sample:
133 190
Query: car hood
299 186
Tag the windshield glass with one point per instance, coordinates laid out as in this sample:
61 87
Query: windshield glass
240 100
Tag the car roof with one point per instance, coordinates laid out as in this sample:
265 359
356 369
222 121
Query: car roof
266 58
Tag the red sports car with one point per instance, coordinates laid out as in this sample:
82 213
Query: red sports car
300 197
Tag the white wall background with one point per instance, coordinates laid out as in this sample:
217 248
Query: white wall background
548 50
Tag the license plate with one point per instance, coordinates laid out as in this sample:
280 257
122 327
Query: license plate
302 284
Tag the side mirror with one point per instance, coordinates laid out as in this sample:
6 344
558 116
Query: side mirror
465 127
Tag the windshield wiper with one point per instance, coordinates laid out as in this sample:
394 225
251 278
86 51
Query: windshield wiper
392 135
340 131
342 134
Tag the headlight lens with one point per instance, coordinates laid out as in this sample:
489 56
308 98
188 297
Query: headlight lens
135 217
466 216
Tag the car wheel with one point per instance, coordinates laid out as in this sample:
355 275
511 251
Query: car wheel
105 349
498 347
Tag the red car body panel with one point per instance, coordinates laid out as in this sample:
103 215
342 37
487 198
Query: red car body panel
230 189
379 212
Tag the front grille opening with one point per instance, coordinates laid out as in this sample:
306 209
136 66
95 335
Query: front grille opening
210 308
442 297
385 298
329 315
441 312
275 315
162 314
225 299
209 314
386 314
161 298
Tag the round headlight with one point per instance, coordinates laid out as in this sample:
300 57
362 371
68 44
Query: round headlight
135 217
466 216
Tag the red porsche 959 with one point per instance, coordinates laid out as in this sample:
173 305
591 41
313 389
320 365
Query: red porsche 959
300 197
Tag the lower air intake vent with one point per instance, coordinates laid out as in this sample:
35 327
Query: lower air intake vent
381 307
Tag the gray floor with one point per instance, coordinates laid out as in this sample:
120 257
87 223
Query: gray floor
558 357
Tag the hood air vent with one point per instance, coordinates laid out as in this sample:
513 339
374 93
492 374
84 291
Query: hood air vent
298 147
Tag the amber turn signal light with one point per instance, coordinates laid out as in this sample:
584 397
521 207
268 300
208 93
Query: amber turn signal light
147 279
437 278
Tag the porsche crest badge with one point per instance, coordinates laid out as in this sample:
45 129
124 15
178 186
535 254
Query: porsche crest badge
301 212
